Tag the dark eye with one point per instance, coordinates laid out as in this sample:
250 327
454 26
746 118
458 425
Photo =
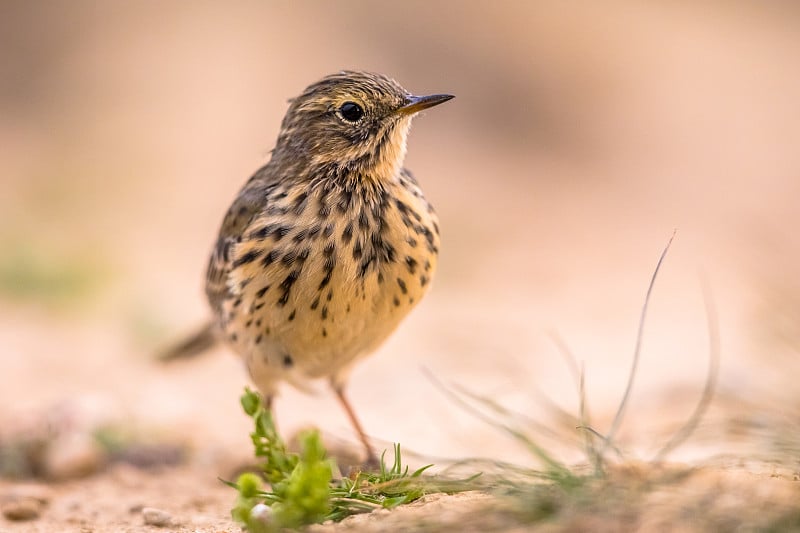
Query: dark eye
351 111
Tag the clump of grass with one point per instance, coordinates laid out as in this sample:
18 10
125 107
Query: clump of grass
302 489
611 481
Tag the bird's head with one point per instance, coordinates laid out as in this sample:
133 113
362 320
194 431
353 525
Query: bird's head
352 123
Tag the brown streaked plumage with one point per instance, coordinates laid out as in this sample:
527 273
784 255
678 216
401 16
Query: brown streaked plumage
330 244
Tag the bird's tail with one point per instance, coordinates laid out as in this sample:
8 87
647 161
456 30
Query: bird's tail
201 340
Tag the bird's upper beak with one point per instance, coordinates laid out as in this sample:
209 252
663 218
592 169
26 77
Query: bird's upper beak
415 104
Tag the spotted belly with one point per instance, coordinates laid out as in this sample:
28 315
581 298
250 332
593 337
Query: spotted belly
309 298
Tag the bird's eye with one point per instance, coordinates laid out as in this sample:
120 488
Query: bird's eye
351 111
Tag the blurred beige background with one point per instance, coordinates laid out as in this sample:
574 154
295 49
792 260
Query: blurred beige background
582 135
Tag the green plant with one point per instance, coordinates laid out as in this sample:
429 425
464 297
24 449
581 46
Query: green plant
301 486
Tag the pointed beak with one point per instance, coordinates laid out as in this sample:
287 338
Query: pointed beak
415 104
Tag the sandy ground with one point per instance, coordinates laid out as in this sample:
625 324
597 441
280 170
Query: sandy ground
706 499
578 141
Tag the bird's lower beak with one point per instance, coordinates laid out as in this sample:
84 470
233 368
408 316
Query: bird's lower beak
415 104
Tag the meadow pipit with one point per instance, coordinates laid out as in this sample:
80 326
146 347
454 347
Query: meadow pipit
330 244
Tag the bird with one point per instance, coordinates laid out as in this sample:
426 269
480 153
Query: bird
328 246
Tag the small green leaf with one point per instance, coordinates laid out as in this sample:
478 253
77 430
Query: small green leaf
251 402
418 472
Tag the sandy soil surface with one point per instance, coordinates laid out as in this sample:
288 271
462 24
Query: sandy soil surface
577 142
188 500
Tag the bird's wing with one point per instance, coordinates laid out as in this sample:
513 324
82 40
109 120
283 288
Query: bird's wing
251 201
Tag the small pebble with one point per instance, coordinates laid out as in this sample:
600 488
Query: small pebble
261 512
156 517
23 508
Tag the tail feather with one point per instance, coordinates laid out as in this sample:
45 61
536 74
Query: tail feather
195 344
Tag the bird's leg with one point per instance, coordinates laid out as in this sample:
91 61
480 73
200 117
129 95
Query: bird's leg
372 459
266 402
